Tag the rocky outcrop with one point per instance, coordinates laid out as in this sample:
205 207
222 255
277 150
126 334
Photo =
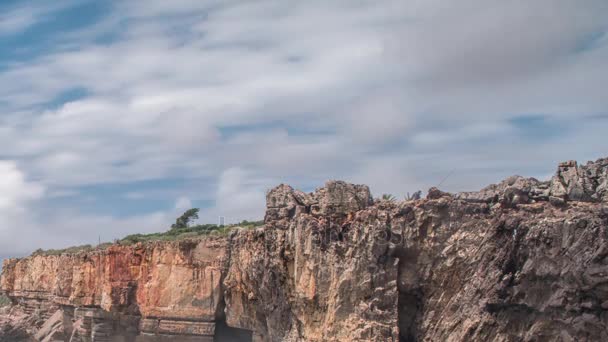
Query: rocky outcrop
522 260
337 198
571 182
155 289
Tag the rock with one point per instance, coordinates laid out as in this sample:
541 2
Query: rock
513 190
513 196
568 182
571 182
435 193
586 183
52 329
557 201
341 198
280 203
173 281
334 266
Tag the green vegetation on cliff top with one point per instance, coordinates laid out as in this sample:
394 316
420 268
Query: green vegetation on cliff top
181 229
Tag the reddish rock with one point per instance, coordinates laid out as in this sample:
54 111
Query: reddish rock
503 264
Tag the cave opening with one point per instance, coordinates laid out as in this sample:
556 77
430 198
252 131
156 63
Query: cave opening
409 302
224 333
408 305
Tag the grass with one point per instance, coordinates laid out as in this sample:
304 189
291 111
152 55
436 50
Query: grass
189 232
69 250
4 301
170 235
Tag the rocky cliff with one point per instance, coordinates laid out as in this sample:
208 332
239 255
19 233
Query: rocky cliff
521 260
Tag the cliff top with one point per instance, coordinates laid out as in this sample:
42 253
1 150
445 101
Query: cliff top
196 232
571 182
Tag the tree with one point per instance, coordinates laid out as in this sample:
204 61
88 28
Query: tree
186 218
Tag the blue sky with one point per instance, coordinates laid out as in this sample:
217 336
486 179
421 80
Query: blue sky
117 115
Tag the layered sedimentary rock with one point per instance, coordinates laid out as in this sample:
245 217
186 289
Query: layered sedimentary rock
522 260
155 289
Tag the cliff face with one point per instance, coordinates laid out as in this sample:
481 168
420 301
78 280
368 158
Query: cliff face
521 260
157 288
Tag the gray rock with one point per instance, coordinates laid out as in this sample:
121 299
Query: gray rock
588 183
335 198
513 190
341 198
557 201
435 193
571 182
283 202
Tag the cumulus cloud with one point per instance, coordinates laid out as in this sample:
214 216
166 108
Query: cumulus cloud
232 97
15 190
240 196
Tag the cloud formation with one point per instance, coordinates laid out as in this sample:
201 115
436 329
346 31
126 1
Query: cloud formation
214 102
15 191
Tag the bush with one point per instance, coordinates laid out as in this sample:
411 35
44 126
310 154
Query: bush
389 197
413 197
178 231
69 250
189 232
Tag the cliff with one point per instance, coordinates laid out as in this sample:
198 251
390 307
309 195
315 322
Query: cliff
521 260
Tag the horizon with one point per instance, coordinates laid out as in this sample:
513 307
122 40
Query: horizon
118 116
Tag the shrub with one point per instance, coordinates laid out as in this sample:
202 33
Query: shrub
388 197
180 230
413 197
189 232
69 250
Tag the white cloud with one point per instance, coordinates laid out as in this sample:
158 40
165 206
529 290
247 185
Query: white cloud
71 228
15 190
16 19
183 203
240 95
240 196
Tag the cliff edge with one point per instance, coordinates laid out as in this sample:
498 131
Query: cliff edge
522 260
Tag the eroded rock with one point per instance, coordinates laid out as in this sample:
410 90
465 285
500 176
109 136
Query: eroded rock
521 260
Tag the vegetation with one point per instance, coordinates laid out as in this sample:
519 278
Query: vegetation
4 301
181 229
184 221
69 250
388 197
187 231
413 197
408 197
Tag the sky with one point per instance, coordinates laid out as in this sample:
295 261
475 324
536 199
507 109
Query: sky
115 116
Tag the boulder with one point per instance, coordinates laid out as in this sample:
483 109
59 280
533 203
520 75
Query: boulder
341 198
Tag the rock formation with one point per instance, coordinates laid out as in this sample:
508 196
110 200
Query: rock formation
522 260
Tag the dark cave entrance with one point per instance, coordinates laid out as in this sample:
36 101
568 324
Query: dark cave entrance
409 303
408 307
224 333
